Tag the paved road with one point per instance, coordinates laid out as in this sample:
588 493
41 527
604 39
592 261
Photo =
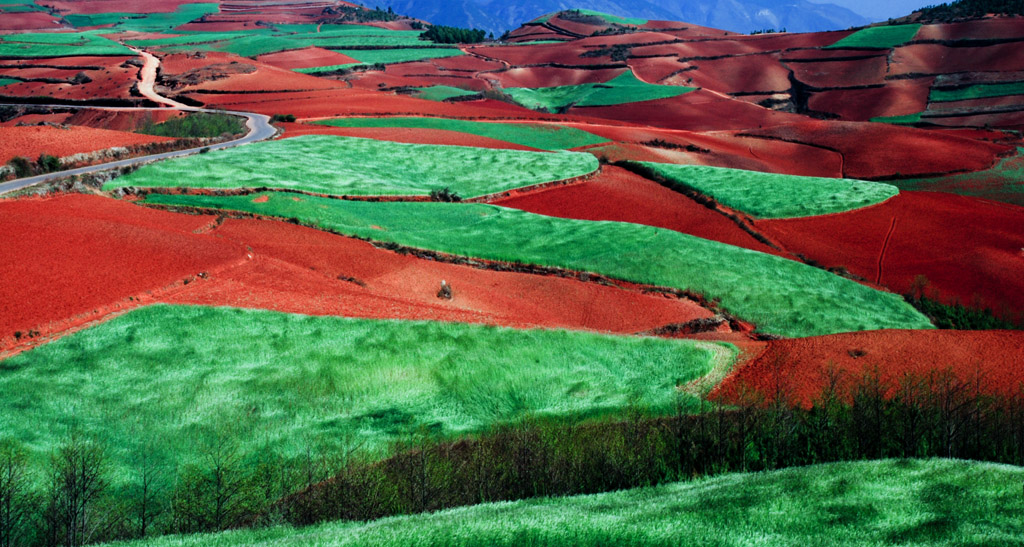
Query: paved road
258 124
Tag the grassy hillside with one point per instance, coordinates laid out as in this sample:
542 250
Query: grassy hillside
625 88
188 378
347 166
882 37
769 195
540 136
52 44
920 502
781 296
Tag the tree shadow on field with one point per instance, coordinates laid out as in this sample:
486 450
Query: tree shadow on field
941 501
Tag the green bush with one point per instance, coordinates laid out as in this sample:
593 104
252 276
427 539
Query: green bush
198 125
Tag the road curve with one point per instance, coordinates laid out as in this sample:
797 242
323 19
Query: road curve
258 125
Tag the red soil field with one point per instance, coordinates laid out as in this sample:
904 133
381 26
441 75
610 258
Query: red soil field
108 83
34 20
724 150
305 58
414 136
785 40
116 6
830 74
119 120
32 119
939 59
657 70
800 369
897 98
877 150
75 258
264 79
573 27
297 269
617 194
706 48
987 29
40 72
601 42
1011 120
467 63
749 73
978 104
31 141
970 249
534 77
700 110
82 62
355 102
540 54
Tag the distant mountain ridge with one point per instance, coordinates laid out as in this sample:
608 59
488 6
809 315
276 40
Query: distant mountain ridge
735 15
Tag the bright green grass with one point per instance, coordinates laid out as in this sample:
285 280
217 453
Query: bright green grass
261 41
625 88
332 165
889 502
769 195
183 375
908 119
146 22
1003 182
979 91
781 296
59 45
884 37
442 93
608 18
8 81
389 56
541 136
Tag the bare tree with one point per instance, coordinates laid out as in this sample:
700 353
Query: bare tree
15 494
76 482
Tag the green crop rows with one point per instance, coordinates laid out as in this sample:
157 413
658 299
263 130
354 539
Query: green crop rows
145 22
540 136
918 502
62 44
770 195
442 93
979 91
625 88
883 37
181 376
348 166
781 296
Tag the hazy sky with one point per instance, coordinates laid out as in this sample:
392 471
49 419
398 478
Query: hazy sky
881 9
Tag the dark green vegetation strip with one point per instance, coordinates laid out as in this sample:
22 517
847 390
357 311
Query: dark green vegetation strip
979 91
923 502
255 42
770 195
908 119
145 22
1003 182
883 37
442 93
332 165
197 125
185 377
781 296
61 44
540 136
625 88
960 9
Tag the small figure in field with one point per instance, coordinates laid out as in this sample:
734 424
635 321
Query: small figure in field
446 291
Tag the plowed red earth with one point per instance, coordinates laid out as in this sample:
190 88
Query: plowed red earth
265 79
30 119
305 58
800 369
297 270
553 76
621 196
745 74
115 82
31 141
541 54
878 150
830 74
656 70
971 250
467 63
120 120
74 258
353 102
87 257
34 20
400 134
699 110
117 6
988 29
897 98
940 59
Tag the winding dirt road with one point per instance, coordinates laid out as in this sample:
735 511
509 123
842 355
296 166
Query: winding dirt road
258 125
